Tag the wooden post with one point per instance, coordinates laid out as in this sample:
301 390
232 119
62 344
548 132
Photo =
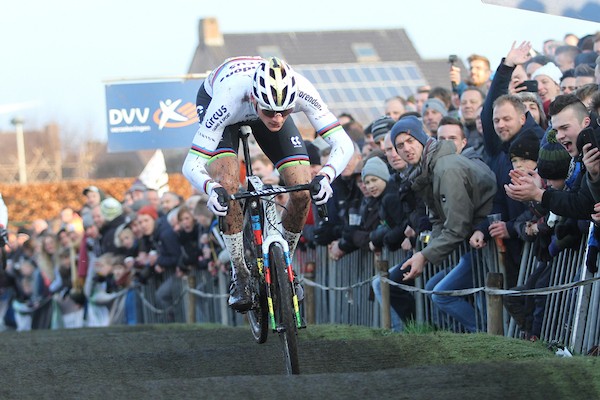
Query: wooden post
309 294
191 308
383 267
495 312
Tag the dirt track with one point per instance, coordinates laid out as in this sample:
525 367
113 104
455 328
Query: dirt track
179 363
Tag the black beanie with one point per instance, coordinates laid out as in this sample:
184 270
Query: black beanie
553 159
526 146
381 126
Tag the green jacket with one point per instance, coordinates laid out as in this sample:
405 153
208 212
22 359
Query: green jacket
458 193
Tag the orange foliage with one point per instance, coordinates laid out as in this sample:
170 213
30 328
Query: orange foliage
45 200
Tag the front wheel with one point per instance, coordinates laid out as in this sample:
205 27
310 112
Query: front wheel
258 316
284 310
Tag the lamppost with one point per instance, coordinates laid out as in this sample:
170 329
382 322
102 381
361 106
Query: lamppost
18 123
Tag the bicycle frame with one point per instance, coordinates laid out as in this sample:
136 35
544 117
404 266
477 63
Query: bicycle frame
268 233
275 300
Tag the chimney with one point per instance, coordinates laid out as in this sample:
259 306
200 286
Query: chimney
209 32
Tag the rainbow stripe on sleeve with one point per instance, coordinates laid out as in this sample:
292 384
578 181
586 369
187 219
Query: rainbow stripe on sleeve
328 130
291 161
212 155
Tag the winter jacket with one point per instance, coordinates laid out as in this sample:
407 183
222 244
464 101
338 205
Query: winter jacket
577 202
346 197
458 193
497 152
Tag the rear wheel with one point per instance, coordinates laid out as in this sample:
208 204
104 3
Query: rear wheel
258 316
284 310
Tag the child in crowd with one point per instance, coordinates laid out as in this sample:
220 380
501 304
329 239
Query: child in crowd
124 309
188 234
125 241
23 272
537 225
98 291
211 249
70 301
375 176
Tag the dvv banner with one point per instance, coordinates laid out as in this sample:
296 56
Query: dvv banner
151 115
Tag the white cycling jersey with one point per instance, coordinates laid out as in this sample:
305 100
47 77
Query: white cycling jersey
230 87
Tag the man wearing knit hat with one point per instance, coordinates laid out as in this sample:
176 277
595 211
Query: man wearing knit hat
379 128
433 112
112 212
458 193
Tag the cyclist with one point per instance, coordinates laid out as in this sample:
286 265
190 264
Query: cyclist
261 93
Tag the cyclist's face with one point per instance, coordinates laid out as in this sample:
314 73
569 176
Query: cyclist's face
273 120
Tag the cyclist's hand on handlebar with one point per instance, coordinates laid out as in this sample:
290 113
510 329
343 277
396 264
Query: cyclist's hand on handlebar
321 190
218 201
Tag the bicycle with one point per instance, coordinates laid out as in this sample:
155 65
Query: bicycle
275 303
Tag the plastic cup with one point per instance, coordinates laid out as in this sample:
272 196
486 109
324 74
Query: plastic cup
492 219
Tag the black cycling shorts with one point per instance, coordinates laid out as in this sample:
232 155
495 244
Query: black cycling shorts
283 148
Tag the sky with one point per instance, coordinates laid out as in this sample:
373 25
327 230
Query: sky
57 55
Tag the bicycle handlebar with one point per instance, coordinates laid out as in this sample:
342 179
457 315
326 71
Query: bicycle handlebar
268 191
313 187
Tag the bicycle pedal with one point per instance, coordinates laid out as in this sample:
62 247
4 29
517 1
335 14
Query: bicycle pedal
280 329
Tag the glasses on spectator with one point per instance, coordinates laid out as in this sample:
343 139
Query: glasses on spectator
273 113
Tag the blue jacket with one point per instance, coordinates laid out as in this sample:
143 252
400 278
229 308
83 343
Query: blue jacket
497 152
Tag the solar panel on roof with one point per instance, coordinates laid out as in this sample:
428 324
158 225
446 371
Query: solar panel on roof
362 88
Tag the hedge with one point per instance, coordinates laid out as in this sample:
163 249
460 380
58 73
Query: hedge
45 200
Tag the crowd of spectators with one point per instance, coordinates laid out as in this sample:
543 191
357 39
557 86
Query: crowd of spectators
521 123
435 163
83 268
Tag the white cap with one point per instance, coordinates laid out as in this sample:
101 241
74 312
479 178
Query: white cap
550 70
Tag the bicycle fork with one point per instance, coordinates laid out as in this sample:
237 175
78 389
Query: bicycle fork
264 264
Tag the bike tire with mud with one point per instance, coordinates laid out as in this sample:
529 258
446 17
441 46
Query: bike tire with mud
258 316
284 311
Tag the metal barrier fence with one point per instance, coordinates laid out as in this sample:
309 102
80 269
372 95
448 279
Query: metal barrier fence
339 292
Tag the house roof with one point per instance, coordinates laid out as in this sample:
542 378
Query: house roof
329 50
322 47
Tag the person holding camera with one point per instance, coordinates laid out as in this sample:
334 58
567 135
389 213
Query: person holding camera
504 118
571 121
479 74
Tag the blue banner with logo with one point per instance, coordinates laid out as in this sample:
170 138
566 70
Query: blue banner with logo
151 115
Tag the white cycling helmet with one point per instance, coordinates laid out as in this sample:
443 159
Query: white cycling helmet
274 85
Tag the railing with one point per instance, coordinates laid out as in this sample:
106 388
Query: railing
339 292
